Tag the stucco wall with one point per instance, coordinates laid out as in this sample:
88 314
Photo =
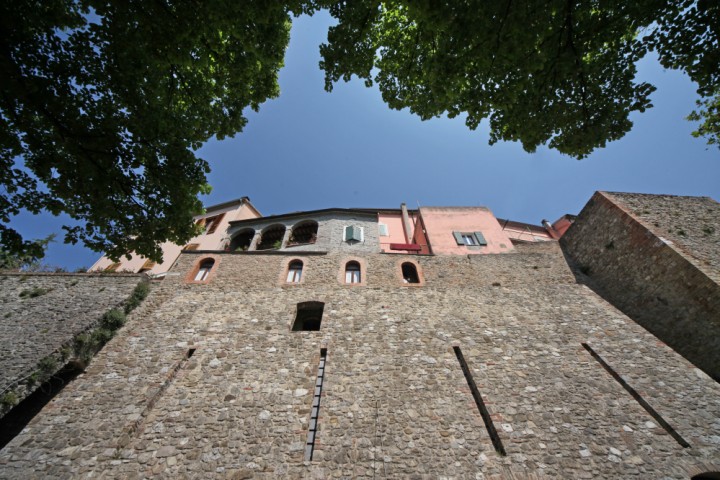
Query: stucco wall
395 402
640 268
441 222
210 241
33 328
397 233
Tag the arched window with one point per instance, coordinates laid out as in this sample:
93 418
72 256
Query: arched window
271 238
303 233
242 240
352 272
409 273
204 270
707 476
295 271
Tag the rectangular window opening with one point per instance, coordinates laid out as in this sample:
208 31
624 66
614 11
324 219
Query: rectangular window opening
308 317
470 239
315 410
648 408
496 441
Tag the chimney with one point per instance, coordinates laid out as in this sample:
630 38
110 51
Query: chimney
407 226
549 228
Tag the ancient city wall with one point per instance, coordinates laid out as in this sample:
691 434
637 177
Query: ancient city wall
638 257
42 312
692 224
214 383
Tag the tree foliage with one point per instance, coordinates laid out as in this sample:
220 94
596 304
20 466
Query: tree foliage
555 72
26 256
102 105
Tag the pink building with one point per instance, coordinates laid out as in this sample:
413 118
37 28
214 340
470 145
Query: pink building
237 226
464 230
402 231
520 232
215 222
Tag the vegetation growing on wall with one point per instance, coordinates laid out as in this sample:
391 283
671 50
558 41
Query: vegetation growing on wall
34 292
79 351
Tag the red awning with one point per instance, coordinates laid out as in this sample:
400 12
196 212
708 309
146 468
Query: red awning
405 246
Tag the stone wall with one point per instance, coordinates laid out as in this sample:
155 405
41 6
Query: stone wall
692 224
213 382
41 312
330 231
651 257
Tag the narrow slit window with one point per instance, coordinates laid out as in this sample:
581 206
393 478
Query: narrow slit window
204 270
494 437
295 271
352 272
633 393
315 410
308 317
410 273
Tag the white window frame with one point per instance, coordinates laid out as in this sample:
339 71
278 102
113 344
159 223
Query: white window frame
383 230
353 276
469 239
294 274
202 274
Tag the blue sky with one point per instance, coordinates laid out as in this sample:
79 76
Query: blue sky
310 149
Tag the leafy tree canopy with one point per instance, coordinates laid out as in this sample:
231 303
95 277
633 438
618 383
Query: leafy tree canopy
27 258
556 72
103 103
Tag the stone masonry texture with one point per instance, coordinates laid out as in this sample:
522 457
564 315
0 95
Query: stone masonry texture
656 258
32 328
330 231
395 402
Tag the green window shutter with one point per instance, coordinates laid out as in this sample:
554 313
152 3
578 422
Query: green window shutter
458 238
480 238
353 233
357 234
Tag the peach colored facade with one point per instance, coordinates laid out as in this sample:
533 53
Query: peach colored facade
430 231
524 233
396 232
223 214
441 222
